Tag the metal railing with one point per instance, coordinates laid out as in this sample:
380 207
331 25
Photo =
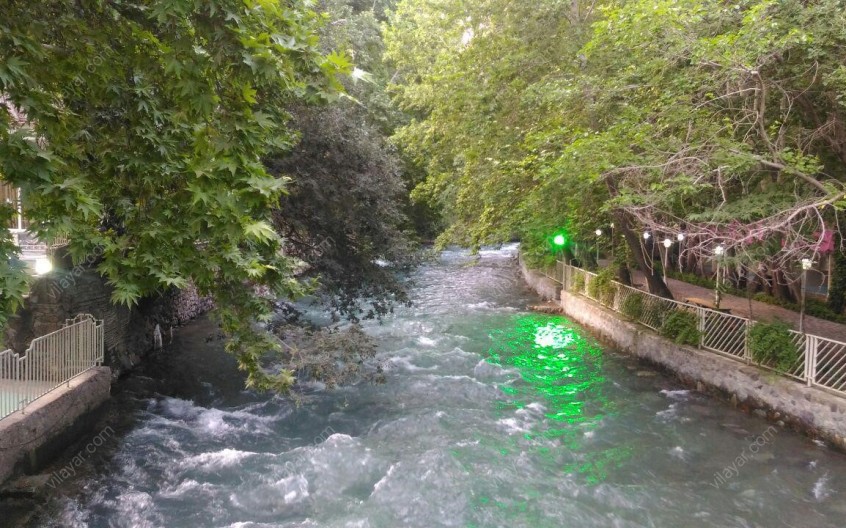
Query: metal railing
819 362
51 361
554 273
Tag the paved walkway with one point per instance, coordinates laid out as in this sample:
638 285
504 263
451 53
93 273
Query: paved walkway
13 392
760 311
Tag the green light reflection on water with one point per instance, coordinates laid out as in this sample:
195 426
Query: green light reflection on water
563 371
558 366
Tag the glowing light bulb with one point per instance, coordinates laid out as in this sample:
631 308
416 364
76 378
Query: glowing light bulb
43 266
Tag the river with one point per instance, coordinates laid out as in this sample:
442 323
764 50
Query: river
491 416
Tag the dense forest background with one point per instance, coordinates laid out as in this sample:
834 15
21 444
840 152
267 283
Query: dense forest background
293 147
722 122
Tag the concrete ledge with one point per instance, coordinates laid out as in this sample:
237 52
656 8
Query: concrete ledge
28 441
810 410
545 287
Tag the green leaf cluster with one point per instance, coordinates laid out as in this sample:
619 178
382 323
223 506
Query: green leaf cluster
137 130
633 306
602 286
772 344
699 112
682 327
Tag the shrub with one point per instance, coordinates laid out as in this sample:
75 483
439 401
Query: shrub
579 282
837 294
633 306
692 278
823 311
681 327
813 307
772 344
602 286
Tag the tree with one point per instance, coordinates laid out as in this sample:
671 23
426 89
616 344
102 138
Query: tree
725 121
722 124
145 125
343 213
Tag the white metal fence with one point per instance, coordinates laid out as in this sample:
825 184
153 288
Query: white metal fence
555 273
819 361
50 361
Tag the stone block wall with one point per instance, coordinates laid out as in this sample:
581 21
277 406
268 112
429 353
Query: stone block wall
63 294
548 289
28 441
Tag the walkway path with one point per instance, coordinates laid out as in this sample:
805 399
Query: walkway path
760 311
12 393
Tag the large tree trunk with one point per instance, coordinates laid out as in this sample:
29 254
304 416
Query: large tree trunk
654 281
692 262
653 278
623 274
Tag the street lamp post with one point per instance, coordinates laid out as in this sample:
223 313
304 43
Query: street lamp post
667 244
559 240
718 251
612 241
806 265
648 253
598 234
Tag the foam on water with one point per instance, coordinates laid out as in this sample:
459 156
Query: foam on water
676 394
217 459
821 489
490 417
187 488
404 363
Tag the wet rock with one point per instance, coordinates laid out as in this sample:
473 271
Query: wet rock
765 456
546 308
28 487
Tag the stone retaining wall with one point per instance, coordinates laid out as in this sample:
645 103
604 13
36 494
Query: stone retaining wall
810 410
547 288
30 440
129 332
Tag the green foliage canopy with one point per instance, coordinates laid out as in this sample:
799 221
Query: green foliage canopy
145 124
727 121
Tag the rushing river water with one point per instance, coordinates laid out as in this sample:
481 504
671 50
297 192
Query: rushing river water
491 416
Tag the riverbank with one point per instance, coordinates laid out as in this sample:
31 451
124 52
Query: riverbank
30 439
809 410
31 436
490 416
